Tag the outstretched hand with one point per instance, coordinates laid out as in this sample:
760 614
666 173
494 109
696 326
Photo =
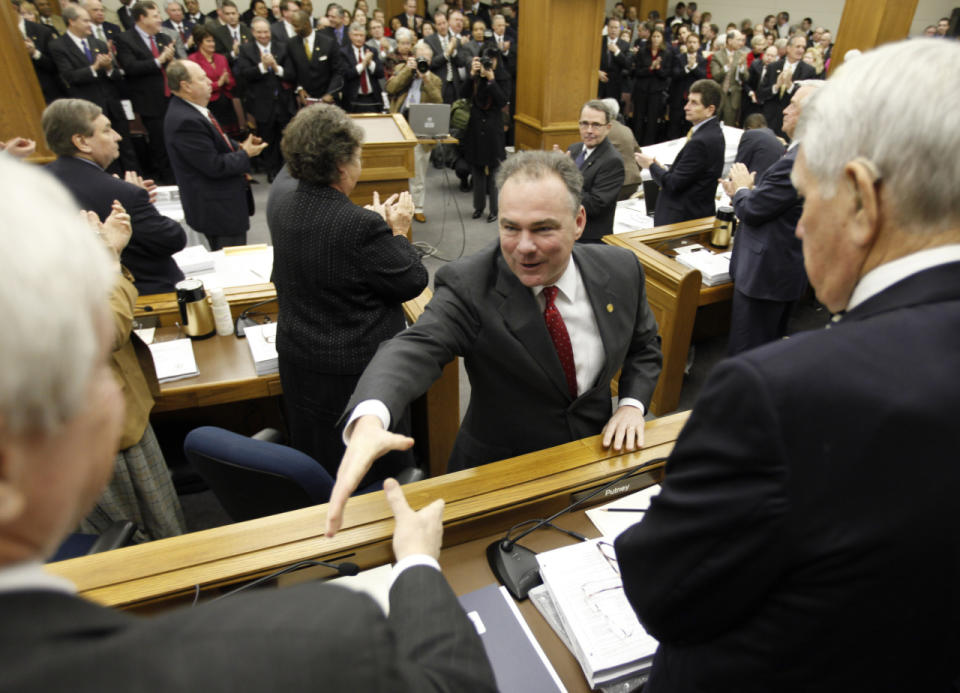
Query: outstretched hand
416 532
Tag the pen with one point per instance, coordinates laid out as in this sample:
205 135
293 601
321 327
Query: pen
626 510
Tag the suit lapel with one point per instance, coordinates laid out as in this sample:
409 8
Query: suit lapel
605 301
523 319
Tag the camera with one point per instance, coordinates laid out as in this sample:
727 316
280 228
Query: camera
487 60
423 65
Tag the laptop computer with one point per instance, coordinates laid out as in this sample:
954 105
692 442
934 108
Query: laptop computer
429 120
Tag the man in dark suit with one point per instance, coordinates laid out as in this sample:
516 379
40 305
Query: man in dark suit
49 19
125 13
284 30
410 19
602 170
689 66
268 96
232 34
614 59
475 11
62 414
83 156
181 24
779 84
688 188
314 63
759 148
101 29
783 552
193 12
210 168
37 39
144 52
767 263
446 62
362 74
543 327
88 71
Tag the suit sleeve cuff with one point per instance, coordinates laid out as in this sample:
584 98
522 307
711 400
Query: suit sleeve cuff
631 402
368 407
412 561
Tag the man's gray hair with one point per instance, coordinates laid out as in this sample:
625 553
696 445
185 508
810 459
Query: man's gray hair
598 105
534 165
613 106
259 20
55 278
357 26
909 135
63 119
404 33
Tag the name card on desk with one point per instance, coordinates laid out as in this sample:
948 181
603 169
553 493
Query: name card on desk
174 360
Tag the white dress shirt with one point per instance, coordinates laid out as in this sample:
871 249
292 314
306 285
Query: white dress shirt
31 576
888 274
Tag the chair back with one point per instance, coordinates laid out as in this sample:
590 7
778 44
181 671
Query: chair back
254 478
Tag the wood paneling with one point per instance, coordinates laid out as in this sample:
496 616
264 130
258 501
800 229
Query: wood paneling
866 24
557 69
22 99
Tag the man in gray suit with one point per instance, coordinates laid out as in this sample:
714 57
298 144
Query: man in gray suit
61 412
543 327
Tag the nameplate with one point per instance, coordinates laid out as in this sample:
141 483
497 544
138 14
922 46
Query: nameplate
634 483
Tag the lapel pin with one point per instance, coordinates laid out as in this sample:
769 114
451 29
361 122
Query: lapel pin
609 307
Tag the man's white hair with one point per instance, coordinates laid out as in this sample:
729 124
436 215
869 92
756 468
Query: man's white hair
897 107
403 33
614 107
55 280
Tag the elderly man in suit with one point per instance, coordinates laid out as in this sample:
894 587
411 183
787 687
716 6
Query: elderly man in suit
779 83
601 167
88 70
85 144
100 28
688 187
210 167
363 71
314 63
728 66
783 553
144 53
61 415
543 326
267 94
767 263
181 25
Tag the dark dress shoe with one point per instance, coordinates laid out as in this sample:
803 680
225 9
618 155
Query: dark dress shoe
492 218
477 214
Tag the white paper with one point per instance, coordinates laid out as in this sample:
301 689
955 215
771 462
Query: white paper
174 360
612 524
374 582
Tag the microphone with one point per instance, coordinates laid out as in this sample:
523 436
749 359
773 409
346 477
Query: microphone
345 569
515 566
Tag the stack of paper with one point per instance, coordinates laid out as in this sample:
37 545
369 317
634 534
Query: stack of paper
174 360
194 259
714 267
168 202
631 215
262 340
598 622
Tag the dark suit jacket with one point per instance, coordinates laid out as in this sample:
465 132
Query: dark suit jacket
298 639
155 237
603 176
44 66
333 319
323 72
438 65
682 80
126 19
783 554
519 400
688 188
767 258
213 189
278 32
110 30
759 149
144 80
75 71
773 102
614 66
187 25
351 78
263 91
403 22
221 36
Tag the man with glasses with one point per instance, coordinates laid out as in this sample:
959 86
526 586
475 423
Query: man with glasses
601 167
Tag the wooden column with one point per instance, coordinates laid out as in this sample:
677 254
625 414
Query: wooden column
22 99
866 24
559 56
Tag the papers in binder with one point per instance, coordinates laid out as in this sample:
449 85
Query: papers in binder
714 267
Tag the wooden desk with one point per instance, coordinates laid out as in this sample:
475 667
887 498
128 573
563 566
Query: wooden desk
386 158
479 502
674 293
227 375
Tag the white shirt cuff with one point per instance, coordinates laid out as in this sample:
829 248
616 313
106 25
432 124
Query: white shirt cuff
278 70
411 561
368 407
631 402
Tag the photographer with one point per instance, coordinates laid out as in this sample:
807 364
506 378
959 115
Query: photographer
483 143
413 83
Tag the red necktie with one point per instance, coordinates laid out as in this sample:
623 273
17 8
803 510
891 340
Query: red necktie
156 54
561 338
220 130
364 84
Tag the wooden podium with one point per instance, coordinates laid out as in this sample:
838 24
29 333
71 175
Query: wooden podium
387 156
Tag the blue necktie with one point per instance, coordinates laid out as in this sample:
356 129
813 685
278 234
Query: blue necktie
581 157
86 50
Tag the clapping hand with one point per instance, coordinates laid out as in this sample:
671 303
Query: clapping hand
398 211
147 184
253 145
